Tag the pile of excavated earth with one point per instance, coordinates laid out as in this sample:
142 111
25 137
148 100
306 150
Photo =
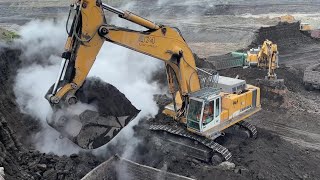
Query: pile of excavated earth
17 155
286 147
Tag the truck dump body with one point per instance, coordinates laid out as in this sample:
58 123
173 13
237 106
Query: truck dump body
119 168
311 77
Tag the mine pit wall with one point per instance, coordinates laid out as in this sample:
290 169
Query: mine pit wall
287 36
292 44
8 66
20 161
9 63
20 124
10 118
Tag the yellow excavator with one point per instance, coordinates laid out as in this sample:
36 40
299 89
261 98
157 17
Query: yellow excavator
204 104
266 57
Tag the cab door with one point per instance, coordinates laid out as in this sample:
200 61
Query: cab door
211 114
194 114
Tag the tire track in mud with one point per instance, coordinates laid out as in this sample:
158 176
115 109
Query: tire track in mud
300 60
311 54
302 143
307 50
293 135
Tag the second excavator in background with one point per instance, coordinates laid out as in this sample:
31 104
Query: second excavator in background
203 106
265 57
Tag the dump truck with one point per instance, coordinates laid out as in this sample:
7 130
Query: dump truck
120 168
311 77
265 57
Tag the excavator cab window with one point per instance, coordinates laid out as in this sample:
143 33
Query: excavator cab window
208 113
211 111
217 108
202 113
194 114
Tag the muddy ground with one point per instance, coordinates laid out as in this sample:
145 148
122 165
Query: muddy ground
288 142
18 156
285 149
288 145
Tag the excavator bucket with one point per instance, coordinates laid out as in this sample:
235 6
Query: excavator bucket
272 85
103 111
89 130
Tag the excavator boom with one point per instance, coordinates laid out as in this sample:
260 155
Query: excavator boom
88 32
265 57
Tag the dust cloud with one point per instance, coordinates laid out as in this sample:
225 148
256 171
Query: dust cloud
311 18
42 43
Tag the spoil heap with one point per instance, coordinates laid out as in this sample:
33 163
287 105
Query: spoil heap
21 161
287 36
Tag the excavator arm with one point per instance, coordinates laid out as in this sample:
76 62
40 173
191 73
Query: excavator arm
268 58
161 42
82 46
89 31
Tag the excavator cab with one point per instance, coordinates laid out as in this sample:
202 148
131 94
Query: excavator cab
204 110
252 58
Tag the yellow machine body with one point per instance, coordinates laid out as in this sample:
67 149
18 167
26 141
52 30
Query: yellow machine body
252 57
305 27
266 57
89 32
228 109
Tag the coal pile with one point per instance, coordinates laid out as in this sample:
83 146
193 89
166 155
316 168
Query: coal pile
8 107
287 36
22 161
107 98
294 46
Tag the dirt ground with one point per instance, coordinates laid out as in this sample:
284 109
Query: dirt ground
289 139
288 145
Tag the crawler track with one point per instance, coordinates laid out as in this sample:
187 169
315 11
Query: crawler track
180 131
177 130
251 128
